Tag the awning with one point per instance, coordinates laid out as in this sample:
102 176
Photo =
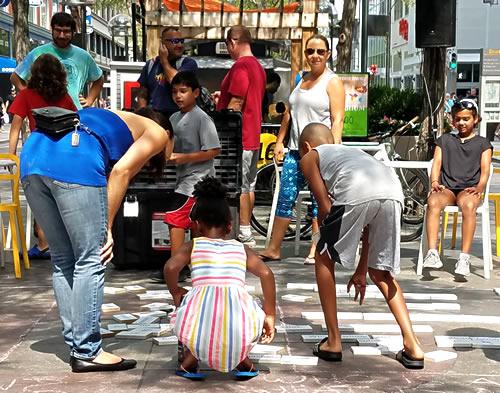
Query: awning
7 65
215 6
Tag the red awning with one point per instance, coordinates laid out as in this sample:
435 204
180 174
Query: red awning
215 6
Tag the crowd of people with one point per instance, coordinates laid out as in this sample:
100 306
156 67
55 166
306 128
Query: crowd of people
75 205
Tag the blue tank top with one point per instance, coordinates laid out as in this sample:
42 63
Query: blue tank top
103 139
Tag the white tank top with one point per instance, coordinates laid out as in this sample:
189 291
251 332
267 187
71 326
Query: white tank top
309 106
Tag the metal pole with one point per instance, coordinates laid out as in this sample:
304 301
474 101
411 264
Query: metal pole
84 26
364 35
134 32
143 24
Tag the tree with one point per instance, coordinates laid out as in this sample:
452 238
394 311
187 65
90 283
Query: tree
344 46
432 116
21 42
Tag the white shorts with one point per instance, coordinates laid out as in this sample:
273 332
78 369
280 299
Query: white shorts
342 228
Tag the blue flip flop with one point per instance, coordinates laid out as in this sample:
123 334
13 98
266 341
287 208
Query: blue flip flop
193 376
245 375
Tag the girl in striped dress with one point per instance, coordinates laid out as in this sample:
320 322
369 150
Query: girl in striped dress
217 320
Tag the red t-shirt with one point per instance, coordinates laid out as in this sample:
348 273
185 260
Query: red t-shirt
246 79
29 99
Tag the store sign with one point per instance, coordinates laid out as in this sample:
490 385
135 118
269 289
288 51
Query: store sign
36 3
491 62
356 104
403 28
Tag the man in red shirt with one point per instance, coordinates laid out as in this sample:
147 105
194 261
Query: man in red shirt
243 90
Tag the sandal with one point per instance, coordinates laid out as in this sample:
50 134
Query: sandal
326 355
409 362
246 375
309 261
192 375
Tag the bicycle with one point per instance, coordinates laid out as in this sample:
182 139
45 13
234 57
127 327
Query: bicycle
414 182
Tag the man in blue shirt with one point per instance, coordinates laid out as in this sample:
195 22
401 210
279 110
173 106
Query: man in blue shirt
80 66
158 73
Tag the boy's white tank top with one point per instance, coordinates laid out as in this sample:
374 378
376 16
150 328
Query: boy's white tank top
309 106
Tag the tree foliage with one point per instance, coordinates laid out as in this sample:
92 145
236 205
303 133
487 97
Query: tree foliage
120 5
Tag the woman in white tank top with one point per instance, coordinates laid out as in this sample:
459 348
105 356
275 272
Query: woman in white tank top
318 98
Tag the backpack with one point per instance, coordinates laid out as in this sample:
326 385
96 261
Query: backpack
204 100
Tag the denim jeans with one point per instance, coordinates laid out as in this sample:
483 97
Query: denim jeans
74 219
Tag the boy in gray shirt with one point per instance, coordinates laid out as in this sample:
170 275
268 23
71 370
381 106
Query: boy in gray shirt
195 146
367 200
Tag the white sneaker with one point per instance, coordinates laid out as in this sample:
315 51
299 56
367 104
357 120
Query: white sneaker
432 260
462 267
247 240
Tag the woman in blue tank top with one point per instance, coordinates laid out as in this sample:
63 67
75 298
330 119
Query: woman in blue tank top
75 185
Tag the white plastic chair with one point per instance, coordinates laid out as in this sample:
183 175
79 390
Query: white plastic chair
483 211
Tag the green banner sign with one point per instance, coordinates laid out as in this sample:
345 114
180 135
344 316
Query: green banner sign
356 104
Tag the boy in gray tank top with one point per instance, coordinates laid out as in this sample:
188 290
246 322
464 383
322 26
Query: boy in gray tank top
357 196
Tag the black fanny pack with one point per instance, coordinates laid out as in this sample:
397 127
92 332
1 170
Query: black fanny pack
53 120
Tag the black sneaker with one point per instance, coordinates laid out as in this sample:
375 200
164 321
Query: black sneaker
157 276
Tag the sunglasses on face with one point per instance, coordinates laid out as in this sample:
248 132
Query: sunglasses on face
174 41
465 104
310 51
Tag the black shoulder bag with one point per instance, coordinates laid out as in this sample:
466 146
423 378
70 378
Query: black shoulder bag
53 120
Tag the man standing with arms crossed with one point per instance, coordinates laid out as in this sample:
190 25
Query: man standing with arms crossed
80 68
243 90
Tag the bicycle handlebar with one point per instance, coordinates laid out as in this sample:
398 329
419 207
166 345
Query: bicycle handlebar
381 137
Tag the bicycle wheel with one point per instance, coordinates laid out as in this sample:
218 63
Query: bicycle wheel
415 184
264 191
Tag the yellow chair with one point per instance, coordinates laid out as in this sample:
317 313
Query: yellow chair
13 208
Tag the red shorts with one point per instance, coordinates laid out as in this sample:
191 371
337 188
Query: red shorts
180 209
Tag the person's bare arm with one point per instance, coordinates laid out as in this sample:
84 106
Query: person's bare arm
309 165
168 71
199 156
172 268
436 170
15 130
282 133
236 103
485 174
261 270
19 84
336 94
95 89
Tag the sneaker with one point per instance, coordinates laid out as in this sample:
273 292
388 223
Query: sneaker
247 240
432 260
462 267
35 253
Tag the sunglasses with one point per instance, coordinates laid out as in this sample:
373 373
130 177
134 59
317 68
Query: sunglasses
175 41
466 103
310 51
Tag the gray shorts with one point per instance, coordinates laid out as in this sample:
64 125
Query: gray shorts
342 228
249 170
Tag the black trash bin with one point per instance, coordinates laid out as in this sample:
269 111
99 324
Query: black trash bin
141 240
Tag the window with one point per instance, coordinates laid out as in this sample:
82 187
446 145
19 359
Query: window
464 72
4 43
397 10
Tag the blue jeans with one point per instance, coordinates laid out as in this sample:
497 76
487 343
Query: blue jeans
292 181
74 219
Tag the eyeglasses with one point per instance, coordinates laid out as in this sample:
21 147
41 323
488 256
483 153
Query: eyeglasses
466 103
174 41
320 52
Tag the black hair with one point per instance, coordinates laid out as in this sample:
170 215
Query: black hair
63 19
158 161
186 78
465 103
273 77
211 206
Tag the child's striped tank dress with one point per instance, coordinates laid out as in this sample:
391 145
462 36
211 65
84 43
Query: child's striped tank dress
218 321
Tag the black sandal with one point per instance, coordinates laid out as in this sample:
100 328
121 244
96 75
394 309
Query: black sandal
326 355
409 362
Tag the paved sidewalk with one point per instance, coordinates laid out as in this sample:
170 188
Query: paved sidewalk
34 358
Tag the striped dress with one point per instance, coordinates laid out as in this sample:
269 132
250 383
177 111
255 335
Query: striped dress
218 321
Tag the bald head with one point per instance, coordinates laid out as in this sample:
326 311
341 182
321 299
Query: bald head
316 134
